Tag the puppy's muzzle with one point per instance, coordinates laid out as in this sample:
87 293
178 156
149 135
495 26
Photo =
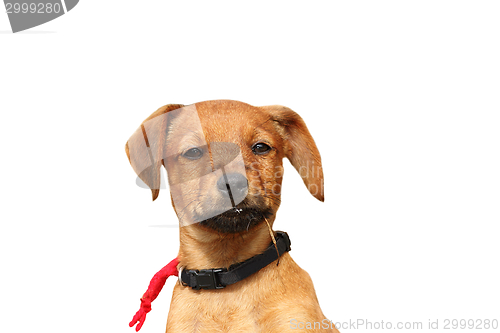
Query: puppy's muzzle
235 185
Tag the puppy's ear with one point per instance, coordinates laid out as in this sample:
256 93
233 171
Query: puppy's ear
299 147
145 147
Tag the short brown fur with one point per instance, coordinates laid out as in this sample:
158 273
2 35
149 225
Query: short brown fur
268 300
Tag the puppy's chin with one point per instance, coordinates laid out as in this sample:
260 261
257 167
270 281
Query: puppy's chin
236 220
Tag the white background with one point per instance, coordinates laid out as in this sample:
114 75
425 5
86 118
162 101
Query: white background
401 97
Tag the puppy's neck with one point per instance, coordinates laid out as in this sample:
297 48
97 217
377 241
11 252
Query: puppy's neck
202 249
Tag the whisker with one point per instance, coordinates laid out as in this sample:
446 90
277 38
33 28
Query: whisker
184 210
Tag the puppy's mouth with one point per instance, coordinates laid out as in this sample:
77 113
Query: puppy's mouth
238 219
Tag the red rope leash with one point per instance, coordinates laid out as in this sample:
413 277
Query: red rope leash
155 286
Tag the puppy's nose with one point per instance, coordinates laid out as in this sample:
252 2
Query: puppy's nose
235 183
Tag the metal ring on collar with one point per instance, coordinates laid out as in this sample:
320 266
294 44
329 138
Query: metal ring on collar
180 277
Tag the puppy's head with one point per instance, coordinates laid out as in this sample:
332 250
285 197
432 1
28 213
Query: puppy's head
224 161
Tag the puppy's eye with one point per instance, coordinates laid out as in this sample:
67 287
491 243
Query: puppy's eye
193 153
260 148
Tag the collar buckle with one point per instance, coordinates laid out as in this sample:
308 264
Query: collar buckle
207 278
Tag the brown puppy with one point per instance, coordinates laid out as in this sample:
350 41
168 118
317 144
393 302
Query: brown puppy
224 166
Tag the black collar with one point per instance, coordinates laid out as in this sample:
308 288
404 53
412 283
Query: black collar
218 278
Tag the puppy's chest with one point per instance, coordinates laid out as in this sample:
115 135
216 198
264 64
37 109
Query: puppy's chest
214 311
